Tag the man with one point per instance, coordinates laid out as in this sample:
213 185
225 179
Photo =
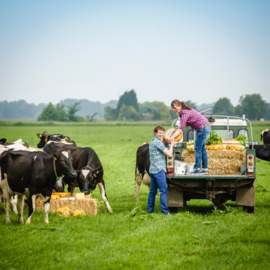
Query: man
158 153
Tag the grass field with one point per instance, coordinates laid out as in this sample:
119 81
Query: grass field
199 237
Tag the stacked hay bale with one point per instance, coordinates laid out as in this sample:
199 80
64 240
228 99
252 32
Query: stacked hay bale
220 162
87 205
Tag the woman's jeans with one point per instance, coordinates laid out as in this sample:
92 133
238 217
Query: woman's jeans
158 181
200 151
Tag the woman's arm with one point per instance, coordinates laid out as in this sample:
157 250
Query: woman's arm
176 133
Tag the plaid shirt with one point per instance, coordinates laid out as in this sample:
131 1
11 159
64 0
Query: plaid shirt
192 118
157 157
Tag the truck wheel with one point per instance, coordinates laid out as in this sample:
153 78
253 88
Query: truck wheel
173 210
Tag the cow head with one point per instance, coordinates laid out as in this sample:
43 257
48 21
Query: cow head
3 140
63 164
84 178
94 175
265 133
44 138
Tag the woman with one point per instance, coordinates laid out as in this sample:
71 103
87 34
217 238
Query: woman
192 118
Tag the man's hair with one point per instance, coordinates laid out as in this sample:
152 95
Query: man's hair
157 128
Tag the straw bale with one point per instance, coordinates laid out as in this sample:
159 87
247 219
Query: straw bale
87 205
220 162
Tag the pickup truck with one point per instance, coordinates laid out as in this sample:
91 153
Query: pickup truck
216 188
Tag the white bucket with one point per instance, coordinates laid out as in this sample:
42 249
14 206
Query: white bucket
189 167
180 167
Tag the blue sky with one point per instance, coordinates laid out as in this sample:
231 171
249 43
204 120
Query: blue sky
189 50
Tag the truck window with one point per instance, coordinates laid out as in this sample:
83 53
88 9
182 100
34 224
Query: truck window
223 133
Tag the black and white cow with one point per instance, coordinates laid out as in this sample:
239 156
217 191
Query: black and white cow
46 137
262 151
3 142
31 174
265 137
142 168
89 170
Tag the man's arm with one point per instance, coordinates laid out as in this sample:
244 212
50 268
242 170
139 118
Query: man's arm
169 152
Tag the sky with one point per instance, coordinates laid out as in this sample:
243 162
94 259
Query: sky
188 50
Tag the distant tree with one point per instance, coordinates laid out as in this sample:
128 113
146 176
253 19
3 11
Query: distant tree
254 107
173 115
48 114
109 113
238 110
90 118
191 104
61 113
129 98
164 112
223 107
130 113
121 112
153 104
72 109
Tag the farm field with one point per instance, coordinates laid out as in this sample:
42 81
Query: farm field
199 237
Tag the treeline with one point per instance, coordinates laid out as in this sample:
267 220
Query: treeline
58 113
128 109
252 106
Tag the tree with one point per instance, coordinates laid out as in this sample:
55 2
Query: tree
191 104
90 117
130 113
121 112
129 98
223 107
238 110
48 114
61 113
109 114
164 112
254 107
72 109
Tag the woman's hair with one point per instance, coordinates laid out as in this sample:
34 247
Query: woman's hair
157 128
178 103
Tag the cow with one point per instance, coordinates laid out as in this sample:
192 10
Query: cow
262 151
31 174
45 137
265 137
3 142
142 168
89 170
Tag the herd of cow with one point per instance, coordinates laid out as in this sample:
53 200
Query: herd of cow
27 172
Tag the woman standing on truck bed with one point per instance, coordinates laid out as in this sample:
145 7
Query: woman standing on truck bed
192 118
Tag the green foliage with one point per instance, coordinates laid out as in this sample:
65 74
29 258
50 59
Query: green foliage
191 104
72 110
164 112
242 139
61 113
48 114
213 139
129 98
253 106
223 107
110 113
90 118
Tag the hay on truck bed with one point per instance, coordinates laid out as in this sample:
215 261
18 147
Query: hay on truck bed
220 162
87 205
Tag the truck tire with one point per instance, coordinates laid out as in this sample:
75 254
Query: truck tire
173 210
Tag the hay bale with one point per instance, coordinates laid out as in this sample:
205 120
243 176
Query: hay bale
220 162
87 205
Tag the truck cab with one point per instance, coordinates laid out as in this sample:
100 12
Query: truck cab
216 188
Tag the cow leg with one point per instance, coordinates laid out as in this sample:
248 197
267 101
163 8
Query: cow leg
14 200
20 207
137 184
104 197
6 196
32 207
46 211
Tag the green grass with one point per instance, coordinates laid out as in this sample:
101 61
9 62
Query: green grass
199 237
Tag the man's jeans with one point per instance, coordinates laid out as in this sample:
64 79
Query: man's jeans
158 181
200 152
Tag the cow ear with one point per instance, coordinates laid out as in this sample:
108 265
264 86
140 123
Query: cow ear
46 140
3 141
39 135
54 157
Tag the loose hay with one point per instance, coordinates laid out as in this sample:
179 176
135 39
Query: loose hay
220 162
87 205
